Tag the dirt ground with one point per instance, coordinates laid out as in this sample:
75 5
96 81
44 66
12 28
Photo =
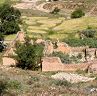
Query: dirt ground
36 83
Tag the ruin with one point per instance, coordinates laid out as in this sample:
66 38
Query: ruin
54 63
10 50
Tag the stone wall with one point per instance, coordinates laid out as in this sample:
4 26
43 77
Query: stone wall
55 64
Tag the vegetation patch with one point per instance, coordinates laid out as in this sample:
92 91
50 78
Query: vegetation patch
64 28
62 83
14 84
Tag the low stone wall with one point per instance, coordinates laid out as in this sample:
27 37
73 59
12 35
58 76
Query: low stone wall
52 64
55 64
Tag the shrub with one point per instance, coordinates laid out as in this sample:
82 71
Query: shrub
89 32
28 56
91 42
56 10
14 84
36 79
62 83
64 57
50 32
3 86
9 13
77 13
9 19
96 78
10 27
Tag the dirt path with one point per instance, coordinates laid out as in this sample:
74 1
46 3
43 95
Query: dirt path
31 4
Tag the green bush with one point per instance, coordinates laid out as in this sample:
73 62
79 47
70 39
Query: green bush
14 84
36 79
96 78
3 86
10 27
62 83
28 55
77 13
9 19
50 32
64 57
56 10
89 32
74 42
1 42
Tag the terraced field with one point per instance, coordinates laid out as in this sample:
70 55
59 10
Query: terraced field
56 27
2 1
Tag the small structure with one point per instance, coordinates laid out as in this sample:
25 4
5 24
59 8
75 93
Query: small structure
54 63
7 60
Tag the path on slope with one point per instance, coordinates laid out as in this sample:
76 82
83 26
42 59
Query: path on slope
31 4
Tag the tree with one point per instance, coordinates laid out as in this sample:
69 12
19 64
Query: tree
3 86
9 13
9 27
28 56
77 13
9 17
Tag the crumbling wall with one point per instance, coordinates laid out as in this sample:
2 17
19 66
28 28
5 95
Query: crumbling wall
55 64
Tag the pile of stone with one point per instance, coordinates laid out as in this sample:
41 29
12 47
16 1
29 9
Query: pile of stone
73 78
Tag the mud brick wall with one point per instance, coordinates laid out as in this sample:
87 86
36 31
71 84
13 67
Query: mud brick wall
55 64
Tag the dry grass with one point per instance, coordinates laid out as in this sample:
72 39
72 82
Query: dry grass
30 83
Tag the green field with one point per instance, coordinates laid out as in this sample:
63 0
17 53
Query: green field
57 27
54 28
2 1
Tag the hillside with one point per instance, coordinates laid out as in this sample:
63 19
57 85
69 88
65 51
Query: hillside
58 27
35 22
54 41
29 83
